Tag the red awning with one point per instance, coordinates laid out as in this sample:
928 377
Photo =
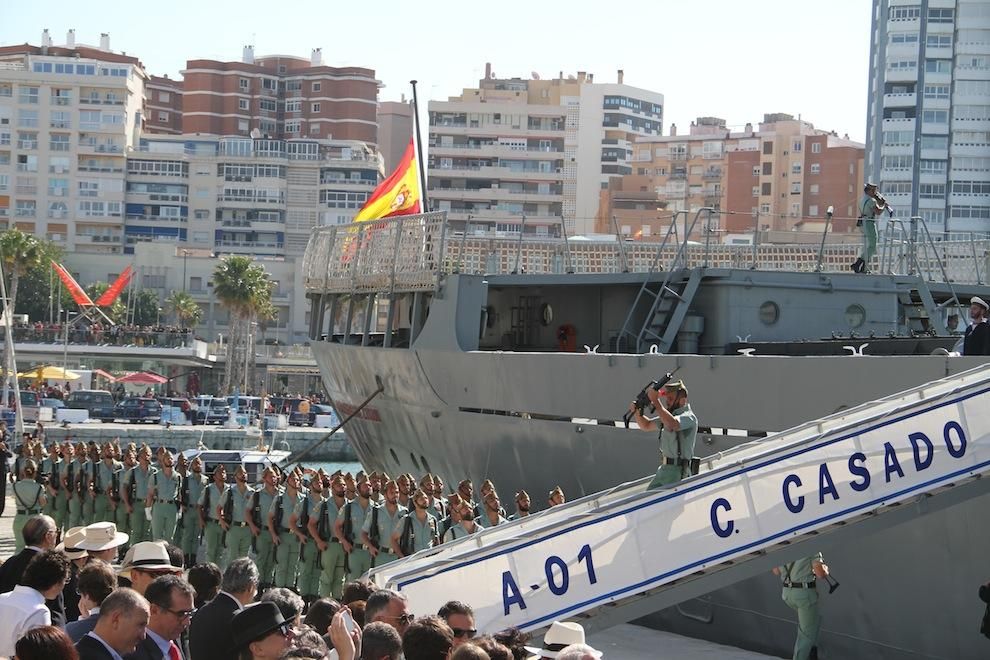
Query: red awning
143 378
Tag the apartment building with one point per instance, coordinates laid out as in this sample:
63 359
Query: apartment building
164 105
280 96
68 116
928 129
516 154
395 128
772 178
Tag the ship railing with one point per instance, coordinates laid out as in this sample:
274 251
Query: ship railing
414 253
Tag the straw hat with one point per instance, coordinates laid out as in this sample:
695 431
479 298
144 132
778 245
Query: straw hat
559 636
101 536
70 544
146 555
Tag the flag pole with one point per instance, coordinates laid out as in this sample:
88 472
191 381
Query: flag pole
419 148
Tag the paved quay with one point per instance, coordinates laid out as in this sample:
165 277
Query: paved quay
624 642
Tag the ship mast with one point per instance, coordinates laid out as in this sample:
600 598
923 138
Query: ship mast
10 369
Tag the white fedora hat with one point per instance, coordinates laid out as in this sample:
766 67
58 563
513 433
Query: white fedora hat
102 536
558 637
70 544
149 556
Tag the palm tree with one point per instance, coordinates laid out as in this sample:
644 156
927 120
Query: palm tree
19 253
243 288
188 314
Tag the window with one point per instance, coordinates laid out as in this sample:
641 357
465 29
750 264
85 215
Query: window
932 166
316 108
972 112
766 189
242 125
28 95
941 15
756 170
59 142
795 168
797 145
897 162
767 148
934 142
314 129
268 105
931 191
813 210
935 116
292 126
767 168
27 118
316 86
963 212
905 13
795 187
293 106
242 104
162 116
764 209
813 189
244 83
816 147
89 119
26 208
938 66
897 188
164 97
937 91
938 40
816 168
756 191
902 65
904 38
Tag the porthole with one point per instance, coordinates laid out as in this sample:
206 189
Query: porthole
769 313
855 316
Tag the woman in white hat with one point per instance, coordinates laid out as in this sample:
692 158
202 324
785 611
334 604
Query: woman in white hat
78 558
101 540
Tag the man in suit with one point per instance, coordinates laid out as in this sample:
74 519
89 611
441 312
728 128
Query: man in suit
210 633
171 601
120 628
97 580
977 338
39 534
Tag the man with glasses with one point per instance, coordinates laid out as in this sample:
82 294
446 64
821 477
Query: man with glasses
144 562
171 601
460 617
390 607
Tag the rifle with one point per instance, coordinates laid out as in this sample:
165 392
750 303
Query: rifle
375 536
643 400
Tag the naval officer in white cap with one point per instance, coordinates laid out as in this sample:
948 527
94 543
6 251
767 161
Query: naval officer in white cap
977 338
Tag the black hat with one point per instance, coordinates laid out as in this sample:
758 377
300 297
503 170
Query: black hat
255 622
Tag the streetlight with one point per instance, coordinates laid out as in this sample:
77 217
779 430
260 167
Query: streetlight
185 253
158 319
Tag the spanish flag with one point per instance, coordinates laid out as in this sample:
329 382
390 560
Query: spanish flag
398 194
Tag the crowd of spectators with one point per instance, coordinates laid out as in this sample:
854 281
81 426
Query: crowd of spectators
98 334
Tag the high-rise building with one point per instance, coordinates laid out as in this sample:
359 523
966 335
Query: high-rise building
515 151
784 172
395 128
281 97
92 157
68 116
928 129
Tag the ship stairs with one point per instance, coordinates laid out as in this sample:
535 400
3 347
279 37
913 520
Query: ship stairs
667 298
614 556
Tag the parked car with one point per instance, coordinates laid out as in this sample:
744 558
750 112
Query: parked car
29 405
139 409
54 404
322 409
185 405
99 403
289 406
210 410
246 405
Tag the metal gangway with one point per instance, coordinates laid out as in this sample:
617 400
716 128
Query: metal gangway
623 553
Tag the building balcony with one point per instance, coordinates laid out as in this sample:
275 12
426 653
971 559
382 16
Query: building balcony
249 245
497 130
87 239
900 100
496 150
898 124
484 194
242 201
100 169
902 75
95 100
156 218
483 215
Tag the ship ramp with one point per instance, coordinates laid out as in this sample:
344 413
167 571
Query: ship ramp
620 554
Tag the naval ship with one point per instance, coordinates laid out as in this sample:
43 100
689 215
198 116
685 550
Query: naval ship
515 359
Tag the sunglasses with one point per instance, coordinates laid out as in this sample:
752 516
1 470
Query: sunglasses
405 619
465 632
182 614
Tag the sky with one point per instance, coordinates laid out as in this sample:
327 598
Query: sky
724 58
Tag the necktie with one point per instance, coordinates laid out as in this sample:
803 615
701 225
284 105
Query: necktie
173 652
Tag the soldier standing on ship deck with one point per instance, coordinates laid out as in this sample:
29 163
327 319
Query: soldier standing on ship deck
678 431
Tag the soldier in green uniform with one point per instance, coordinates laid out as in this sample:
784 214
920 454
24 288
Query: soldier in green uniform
869 208
62 497
235 511
264 545
321 528
102 482
182 468
50 471
801 595
74 481
523 504
135 493
23 456
308 582
192 527
29 497
89 489
163 498
678 432
417 530
285 540
381 524
348 529
121 483
209 514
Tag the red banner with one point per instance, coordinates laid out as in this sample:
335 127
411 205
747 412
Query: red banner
75 290
110 295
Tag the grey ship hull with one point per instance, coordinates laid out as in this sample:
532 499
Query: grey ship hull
909 592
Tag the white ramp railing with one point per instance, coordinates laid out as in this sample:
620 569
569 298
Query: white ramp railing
622 545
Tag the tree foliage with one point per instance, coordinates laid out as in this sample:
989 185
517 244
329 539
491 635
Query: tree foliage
185 310
245 290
